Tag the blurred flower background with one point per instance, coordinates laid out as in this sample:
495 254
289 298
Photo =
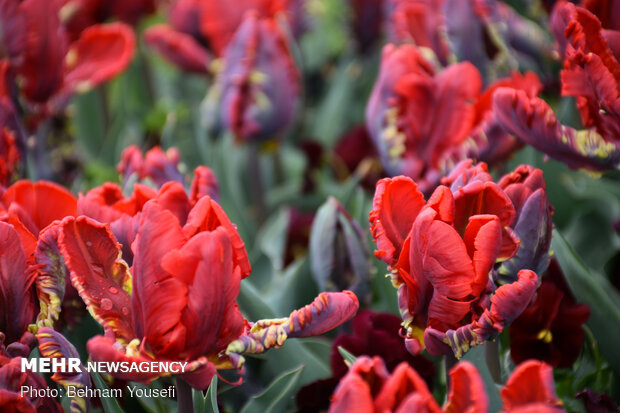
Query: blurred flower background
203 180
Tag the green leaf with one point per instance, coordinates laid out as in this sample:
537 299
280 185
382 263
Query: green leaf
349 358
477 358
595 290
110 404
275 398
206 403
322 236
271 238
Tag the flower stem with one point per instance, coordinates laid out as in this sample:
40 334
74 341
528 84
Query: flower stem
449 361
491 355
185 398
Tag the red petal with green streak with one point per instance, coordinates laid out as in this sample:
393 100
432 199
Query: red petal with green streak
205 264
98 274
326 312
531 382
510 300
207 215
52 279
179 48
403 382
396 204
52 344
533 122
467 391
16 278
101 52
41 203
158 298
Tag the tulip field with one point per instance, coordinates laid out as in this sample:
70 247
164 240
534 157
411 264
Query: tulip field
309 206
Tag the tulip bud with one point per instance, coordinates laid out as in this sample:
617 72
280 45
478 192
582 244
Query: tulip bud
256 92
339 255
526 189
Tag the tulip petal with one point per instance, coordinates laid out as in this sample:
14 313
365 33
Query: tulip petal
179 48
101 52
404 381
205 264
52 279
207 215
533 121
396 204
31 196
172 196
52 344
467 391
483 237
45 46
531 382
326 312
158 297
98 274
507 303
16 278
204 184
446 262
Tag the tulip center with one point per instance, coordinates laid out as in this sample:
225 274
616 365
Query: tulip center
545 335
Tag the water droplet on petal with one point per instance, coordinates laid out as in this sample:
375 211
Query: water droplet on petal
125 310
106 304
113 290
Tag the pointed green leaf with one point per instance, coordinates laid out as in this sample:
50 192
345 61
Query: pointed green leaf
110 404
275 398
349 358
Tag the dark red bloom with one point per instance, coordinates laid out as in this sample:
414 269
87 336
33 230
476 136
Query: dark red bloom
40 40
366 22
597 403
421 22
81 14
530 389
356 151
607 11
369 387
17 299
11 381
441 253
9 156
550 329
256 93
179 301
199 28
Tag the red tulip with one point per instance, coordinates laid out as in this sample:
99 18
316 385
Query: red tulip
530 389
592 75
157 165
11 381
197 29
374 334
257 90
441 253
368 387
178 303
424 122
78 15
40 40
